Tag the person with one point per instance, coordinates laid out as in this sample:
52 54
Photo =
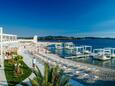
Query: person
34 62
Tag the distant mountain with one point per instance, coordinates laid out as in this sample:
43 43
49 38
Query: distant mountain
63 38
56 38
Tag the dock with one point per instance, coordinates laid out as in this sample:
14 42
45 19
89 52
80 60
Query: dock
77 56
82 70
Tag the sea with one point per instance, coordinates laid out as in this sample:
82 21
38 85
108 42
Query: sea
95 43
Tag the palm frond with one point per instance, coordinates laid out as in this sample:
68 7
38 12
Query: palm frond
53 76
50 75
39 77
46 73
64 80
39 72
34 83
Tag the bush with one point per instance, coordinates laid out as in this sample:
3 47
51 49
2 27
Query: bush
11 77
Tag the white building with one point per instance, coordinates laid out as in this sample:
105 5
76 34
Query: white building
6 41
9 41
35 39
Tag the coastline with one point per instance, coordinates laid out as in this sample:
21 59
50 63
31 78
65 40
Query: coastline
28 58
57 38
104 74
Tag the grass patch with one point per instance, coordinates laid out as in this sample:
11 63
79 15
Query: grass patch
12 79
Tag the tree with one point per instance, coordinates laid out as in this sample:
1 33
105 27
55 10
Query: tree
53 76
18 63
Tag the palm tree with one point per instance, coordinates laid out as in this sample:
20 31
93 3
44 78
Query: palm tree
53 76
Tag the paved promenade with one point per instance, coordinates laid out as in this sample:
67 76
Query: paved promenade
28 60
3 81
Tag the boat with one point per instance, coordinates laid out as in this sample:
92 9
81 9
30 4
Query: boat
58 46
87 49
112 51
69 45
78 50
101 57
83 51
101 54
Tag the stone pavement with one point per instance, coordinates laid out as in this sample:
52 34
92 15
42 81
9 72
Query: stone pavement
3 81
28 60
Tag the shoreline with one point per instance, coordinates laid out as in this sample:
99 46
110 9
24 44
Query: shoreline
28 56
102 74
89 65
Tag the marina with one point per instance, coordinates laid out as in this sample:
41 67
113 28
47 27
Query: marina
57 43
85 72
101 56
74 64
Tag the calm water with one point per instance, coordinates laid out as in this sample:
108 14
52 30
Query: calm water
96 43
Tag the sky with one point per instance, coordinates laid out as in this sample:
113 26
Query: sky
77 18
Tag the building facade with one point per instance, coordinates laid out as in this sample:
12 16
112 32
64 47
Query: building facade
6 41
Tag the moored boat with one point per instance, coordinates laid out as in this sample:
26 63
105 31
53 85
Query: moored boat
58 46
69 45
112 51
101 54
87 49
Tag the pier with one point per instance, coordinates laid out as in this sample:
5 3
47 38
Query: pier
77 56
